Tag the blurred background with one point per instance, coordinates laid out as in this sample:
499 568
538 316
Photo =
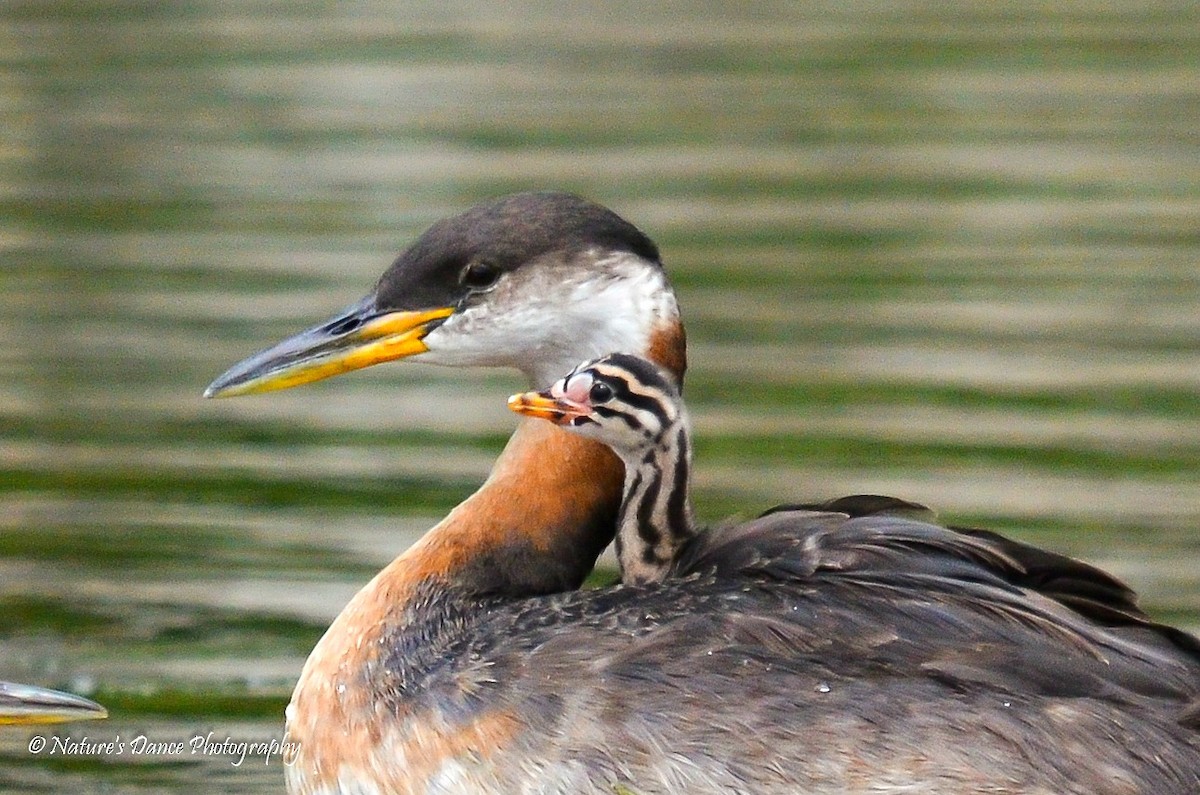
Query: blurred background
943 251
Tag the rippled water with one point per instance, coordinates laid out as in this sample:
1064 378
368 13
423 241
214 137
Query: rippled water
948 257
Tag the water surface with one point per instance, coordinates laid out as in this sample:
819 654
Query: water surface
947 256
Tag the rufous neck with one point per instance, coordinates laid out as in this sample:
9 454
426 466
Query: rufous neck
536 525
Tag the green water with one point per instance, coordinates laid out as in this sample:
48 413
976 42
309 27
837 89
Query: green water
947 256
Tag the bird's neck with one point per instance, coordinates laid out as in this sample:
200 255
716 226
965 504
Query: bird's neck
536 526
656 509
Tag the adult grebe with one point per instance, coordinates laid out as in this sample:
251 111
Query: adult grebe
25 705
470 665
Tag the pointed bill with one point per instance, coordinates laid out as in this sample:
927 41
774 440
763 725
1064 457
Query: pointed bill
545 406
358 337
27 705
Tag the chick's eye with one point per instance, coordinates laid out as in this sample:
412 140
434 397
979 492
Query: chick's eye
479 275
600 392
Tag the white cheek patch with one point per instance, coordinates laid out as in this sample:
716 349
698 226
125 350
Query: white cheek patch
545 318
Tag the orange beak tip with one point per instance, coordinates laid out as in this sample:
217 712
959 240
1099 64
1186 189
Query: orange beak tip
542 406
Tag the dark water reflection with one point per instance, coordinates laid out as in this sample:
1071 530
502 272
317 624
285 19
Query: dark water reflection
950 257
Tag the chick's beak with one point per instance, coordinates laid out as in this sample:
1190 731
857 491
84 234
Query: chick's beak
545 406
359 337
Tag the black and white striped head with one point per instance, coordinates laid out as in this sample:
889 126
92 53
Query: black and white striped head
626 402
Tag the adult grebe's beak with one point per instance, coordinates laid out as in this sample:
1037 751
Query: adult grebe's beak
356 338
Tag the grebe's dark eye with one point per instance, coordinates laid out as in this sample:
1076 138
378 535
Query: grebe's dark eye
479 275
600 392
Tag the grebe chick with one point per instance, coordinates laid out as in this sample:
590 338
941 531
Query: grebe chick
635 408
